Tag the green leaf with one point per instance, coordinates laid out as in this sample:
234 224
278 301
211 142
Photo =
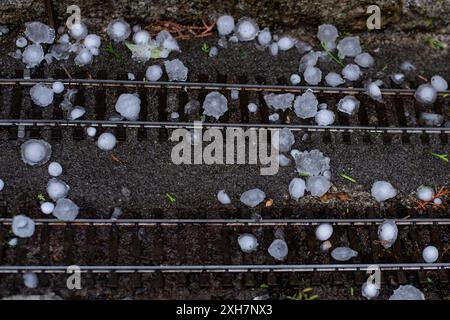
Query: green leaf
306 290
333 57
111 51
40 197
314 297
348 177
264 286
352 291
171 198
443 157
205 48
303 174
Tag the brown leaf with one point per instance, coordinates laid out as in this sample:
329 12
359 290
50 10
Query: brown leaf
341 196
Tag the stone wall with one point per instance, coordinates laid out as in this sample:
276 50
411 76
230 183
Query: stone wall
347 14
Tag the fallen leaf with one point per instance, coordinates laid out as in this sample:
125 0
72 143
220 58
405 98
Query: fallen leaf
269 203
341 196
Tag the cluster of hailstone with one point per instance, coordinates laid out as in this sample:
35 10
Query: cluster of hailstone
316 167
144 47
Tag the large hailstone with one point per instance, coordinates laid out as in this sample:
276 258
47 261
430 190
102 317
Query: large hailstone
382 191
407 292
36 152
246 29
153 73
57 189
78 31
66 210
118 30
297 188
426 94
215 105
253 197
312 163
41 95
343 254
312 75
128 106
38 32
278 249
325 117
351 72
430 254
55 169
439 83
348 104
225 25
279 101
106 141
327 33
247 242
318 186
387 233
176 70
364 60
349 47
33 55
334 79
324 231
286 140
425 193
305 106
22 226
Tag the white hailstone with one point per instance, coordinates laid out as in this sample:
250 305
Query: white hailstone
343 254
334 79
382 191
41 95
38 32
213 51
92 41
279 101
264 37
285 43
21 42
325 117
253 197
76 113
47 207
128 106
327 33
302 47
247 242
153 73
364 60
233 39
106 141
118 30
91 131
387 233
283 161
273 49
57 189
374 91
278 249
36 152
425 193
252 107
136 28
295 79
285 140
234 94
351 72
66 210
225 25
430 254
141 37
426 94
13 242
324 231
30 280
64 39
308 60
439 83
327 174
437 201
131 76
297 188
312 75
55 169
58 87
22 226
348 104
223 197
78 31
176 70
398 78
2 184
431 119
174 115
318 186
33 55
274 117
215 104
305 106
407 66
349 47
407 292
84 57
370 290
246 29
94 51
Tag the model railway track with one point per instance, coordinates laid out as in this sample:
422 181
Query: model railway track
398 115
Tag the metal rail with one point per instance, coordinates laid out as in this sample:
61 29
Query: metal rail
233 222
229 268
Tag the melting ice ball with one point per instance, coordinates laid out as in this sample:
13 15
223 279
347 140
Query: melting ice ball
246 29
66 210
153 73
223 197
349 47
215 105
324 231
41 95
176 70
248 242
430 254
57 189
84 57
318 186
387 233
78 31
305 106
92 41
30 280
118 30
426 94
439 83
38 32
334 79
425 193
47 207
343 254
407 292
58 87
374 91
279 101
383 190
36 152
141 37
370 290
364 60
76 113
278 249
22 226
253 197
128 106
55 169
351 72
265 37
327 33
297 188
325 117
312 75
285 43
225 25
106 141
348 104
